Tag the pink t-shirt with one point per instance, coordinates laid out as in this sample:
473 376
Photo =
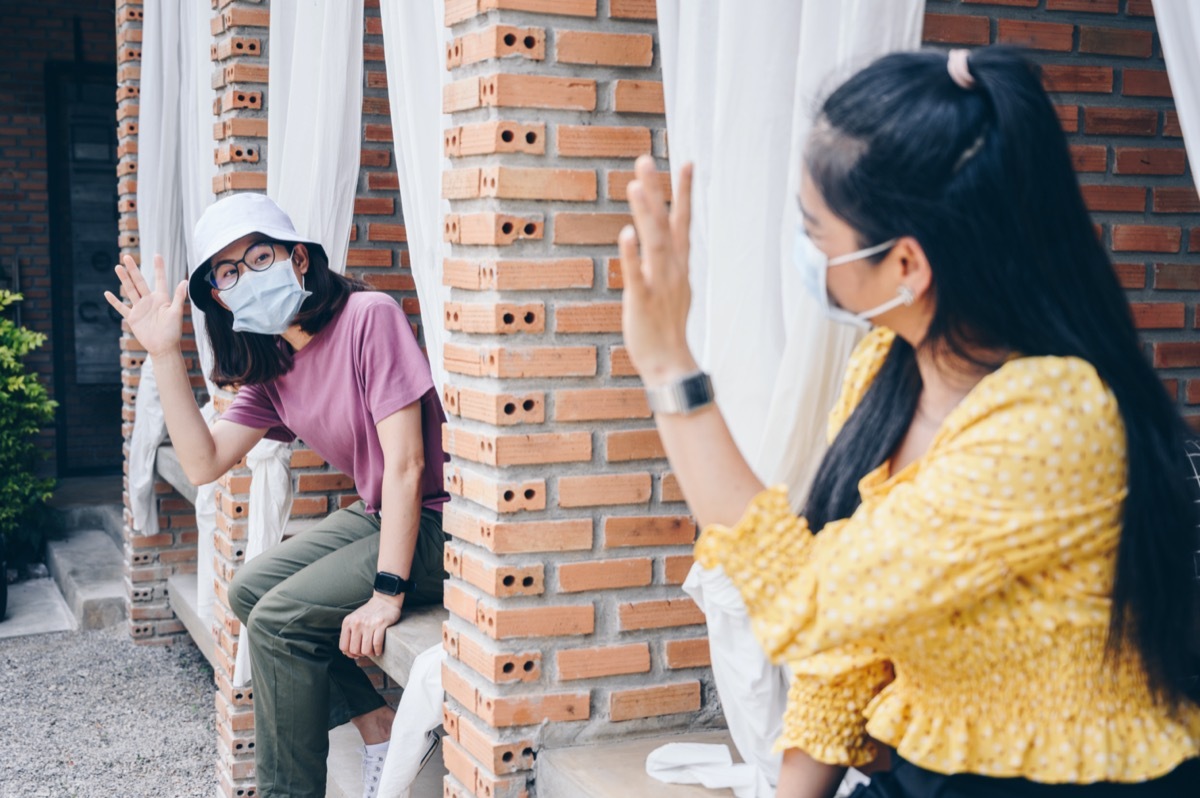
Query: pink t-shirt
362 367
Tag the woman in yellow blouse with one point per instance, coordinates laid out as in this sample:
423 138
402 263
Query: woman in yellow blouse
1001 588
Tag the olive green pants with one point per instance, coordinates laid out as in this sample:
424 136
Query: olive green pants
292 599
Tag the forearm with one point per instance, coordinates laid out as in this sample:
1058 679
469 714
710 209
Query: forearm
400 520
804 777
190 435
715 478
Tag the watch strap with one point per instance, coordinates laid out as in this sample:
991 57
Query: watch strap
390 584
684 396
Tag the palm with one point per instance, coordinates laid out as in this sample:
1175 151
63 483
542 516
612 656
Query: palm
153 322
155 318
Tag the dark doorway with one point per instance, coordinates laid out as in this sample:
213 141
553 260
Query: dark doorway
82 160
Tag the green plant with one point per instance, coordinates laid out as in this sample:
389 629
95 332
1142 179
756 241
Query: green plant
25 407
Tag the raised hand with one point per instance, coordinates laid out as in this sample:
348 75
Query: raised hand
154 317
657 294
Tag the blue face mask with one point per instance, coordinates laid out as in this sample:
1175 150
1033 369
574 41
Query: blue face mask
813 264
266 302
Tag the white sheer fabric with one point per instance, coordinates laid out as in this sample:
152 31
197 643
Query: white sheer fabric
314 118
741 114
313 142
414 39
175 167
1179 30
270 506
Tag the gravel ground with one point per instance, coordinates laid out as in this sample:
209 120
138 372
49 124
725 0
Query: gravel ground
86 714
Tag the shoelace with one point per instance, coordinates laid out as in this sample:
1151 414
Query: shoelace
372 766
372 770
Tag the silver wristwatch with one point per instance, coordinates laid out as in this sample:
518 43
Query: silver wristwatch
684 396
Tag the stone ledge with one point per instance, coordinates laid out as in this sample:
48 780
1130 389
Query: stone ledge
182 595
618 769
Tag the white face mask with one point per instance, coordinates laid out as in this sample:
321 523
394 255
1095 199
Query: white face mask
266 302
813 265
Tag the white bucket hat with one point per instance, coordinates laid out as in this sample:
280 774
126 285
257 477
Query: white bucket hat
224 222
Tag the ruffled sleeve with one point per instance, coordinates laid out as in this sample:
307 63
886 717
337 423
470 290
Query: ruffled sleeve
970 521
829 692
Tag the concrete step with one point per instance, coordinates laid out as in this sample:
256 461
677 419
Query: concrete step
181 595
35 607
345 768
90 503
618 770
87 566
106 517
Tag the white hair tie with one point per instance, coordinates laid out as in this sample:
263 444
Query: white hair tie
960 73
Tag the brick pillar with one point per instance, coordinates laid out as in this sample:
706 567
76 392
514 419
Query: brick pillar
378 255
570 536
149 559
238 51
1103 63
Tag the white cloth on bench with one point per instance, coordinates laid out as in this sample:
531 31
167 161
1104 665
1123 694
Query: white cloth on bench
270 506
420 711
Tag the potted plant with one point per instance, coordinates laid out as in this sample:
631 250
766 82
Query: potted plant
25 407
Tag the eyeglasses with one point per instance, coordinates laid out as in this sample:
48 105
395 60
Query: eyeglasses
260 256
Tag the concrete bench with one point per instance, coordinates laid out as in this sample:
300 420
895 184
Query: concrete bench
618 769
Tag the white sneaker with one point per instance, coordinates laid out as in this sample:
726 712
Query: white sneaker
372 768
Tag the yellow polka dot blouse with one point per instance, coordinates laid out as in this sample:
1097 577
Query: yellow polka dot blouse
960 614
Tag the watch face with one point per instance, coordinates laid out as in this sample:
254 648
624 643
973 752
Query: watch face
388 584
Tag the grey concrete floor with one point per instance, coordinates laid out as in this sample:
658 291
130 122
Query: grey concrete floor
90 713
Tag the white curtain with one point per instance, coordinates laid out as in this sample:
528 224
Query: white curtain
414 38
175 169
414 44
741 114
314 114
1179 30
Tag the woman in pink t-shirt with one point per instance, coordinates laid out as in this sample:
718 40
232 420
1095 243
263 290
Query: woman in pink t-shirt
316 356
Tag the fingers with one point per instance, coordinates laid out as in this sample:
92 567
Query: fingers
631 263
377 641
344 640
127 286
180 296
117 304
135 274
681 207
356 642
649 211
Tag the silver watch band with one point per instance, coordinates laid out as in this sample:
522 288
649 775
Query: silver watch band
684 396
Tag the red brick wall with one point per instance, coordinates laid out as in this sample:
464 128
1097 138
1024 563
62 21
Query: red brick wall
1104 66
567 623
33 34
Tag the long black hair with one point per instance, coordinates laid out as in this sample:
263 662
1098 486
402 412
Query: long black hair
982 179
242 358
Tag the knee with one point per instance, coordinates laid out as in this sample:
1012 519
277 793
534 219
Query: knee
242 594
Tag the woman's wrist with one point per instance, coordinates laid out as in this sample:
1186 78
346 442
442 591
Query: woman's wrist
166 353
669 371
396 600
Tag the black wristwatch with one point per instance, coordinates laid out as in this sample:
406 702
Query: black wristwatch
391 584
